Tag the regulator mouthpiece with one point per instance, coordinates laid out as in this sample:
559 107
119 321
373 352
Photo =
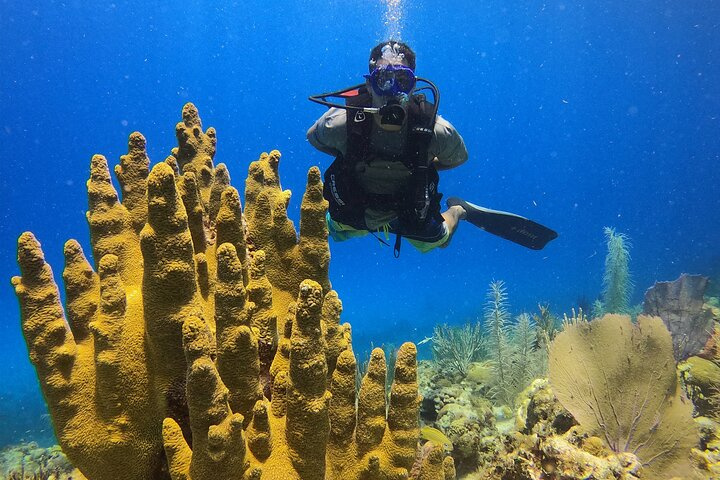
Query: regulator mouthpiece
392 113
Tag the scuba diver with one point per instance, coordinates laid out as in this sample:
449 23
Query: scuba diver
389 143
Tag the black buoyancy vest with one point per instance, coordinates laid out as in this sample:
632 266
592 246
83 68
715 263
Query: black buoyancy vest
417 202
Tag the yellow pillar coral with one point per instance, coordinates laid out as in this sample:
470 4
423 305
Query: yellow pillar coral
306 432
291 259
619 382
201 325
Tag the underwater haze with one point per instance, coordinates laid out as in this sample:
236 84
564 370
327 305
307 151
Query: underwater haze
578 115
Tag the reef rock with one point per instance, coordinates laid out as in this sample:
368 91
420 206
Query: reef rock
204 341
29 460
456 406
707 455
701 379
540 413
547 446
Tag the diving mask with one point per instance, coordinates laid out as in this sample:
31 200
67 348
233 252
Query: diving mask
392 80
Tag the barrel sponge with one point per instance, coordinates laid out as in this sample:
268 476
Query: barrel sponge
203 340
619 381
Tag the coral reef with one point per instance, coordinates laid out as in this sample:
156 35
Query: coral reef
205 342
456 405
547 446
619 382
629 418
681 306
29 461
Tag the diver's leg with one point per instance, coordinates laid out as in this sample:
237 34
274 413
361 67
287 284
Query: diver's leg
452 217
341 232
436 234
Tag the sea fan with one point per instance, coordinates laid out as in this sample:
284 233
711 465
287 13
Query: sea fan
619 381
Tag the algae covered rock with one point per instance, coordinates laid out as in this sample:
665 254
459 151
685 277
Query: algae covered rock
565 460
701 379
707 455
539 411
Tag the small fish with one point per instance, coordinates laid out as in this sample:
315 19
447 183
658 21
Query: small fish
436 436
424 340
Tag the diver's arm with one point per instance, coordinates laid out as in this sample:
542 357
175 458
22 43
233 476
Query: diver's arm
328 133
314 139
447 146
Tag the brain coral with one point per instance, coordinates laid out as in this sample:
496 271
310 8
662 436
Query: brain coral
203 341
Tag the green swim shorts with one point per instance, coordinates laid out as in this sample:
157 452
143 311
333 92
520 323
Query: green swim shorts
434 234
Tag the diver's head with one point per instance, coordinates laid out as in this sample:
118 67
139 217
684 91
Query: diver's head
391 51
390 82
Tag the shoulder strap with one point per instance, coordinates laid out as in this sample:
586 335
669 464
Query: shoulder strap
358 126
422 198
421 117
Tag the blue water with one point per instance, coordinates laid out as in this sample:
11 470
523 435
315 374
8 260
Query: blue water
579 115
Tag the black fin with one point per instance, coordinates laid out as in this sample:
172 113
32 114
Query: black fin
509 226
